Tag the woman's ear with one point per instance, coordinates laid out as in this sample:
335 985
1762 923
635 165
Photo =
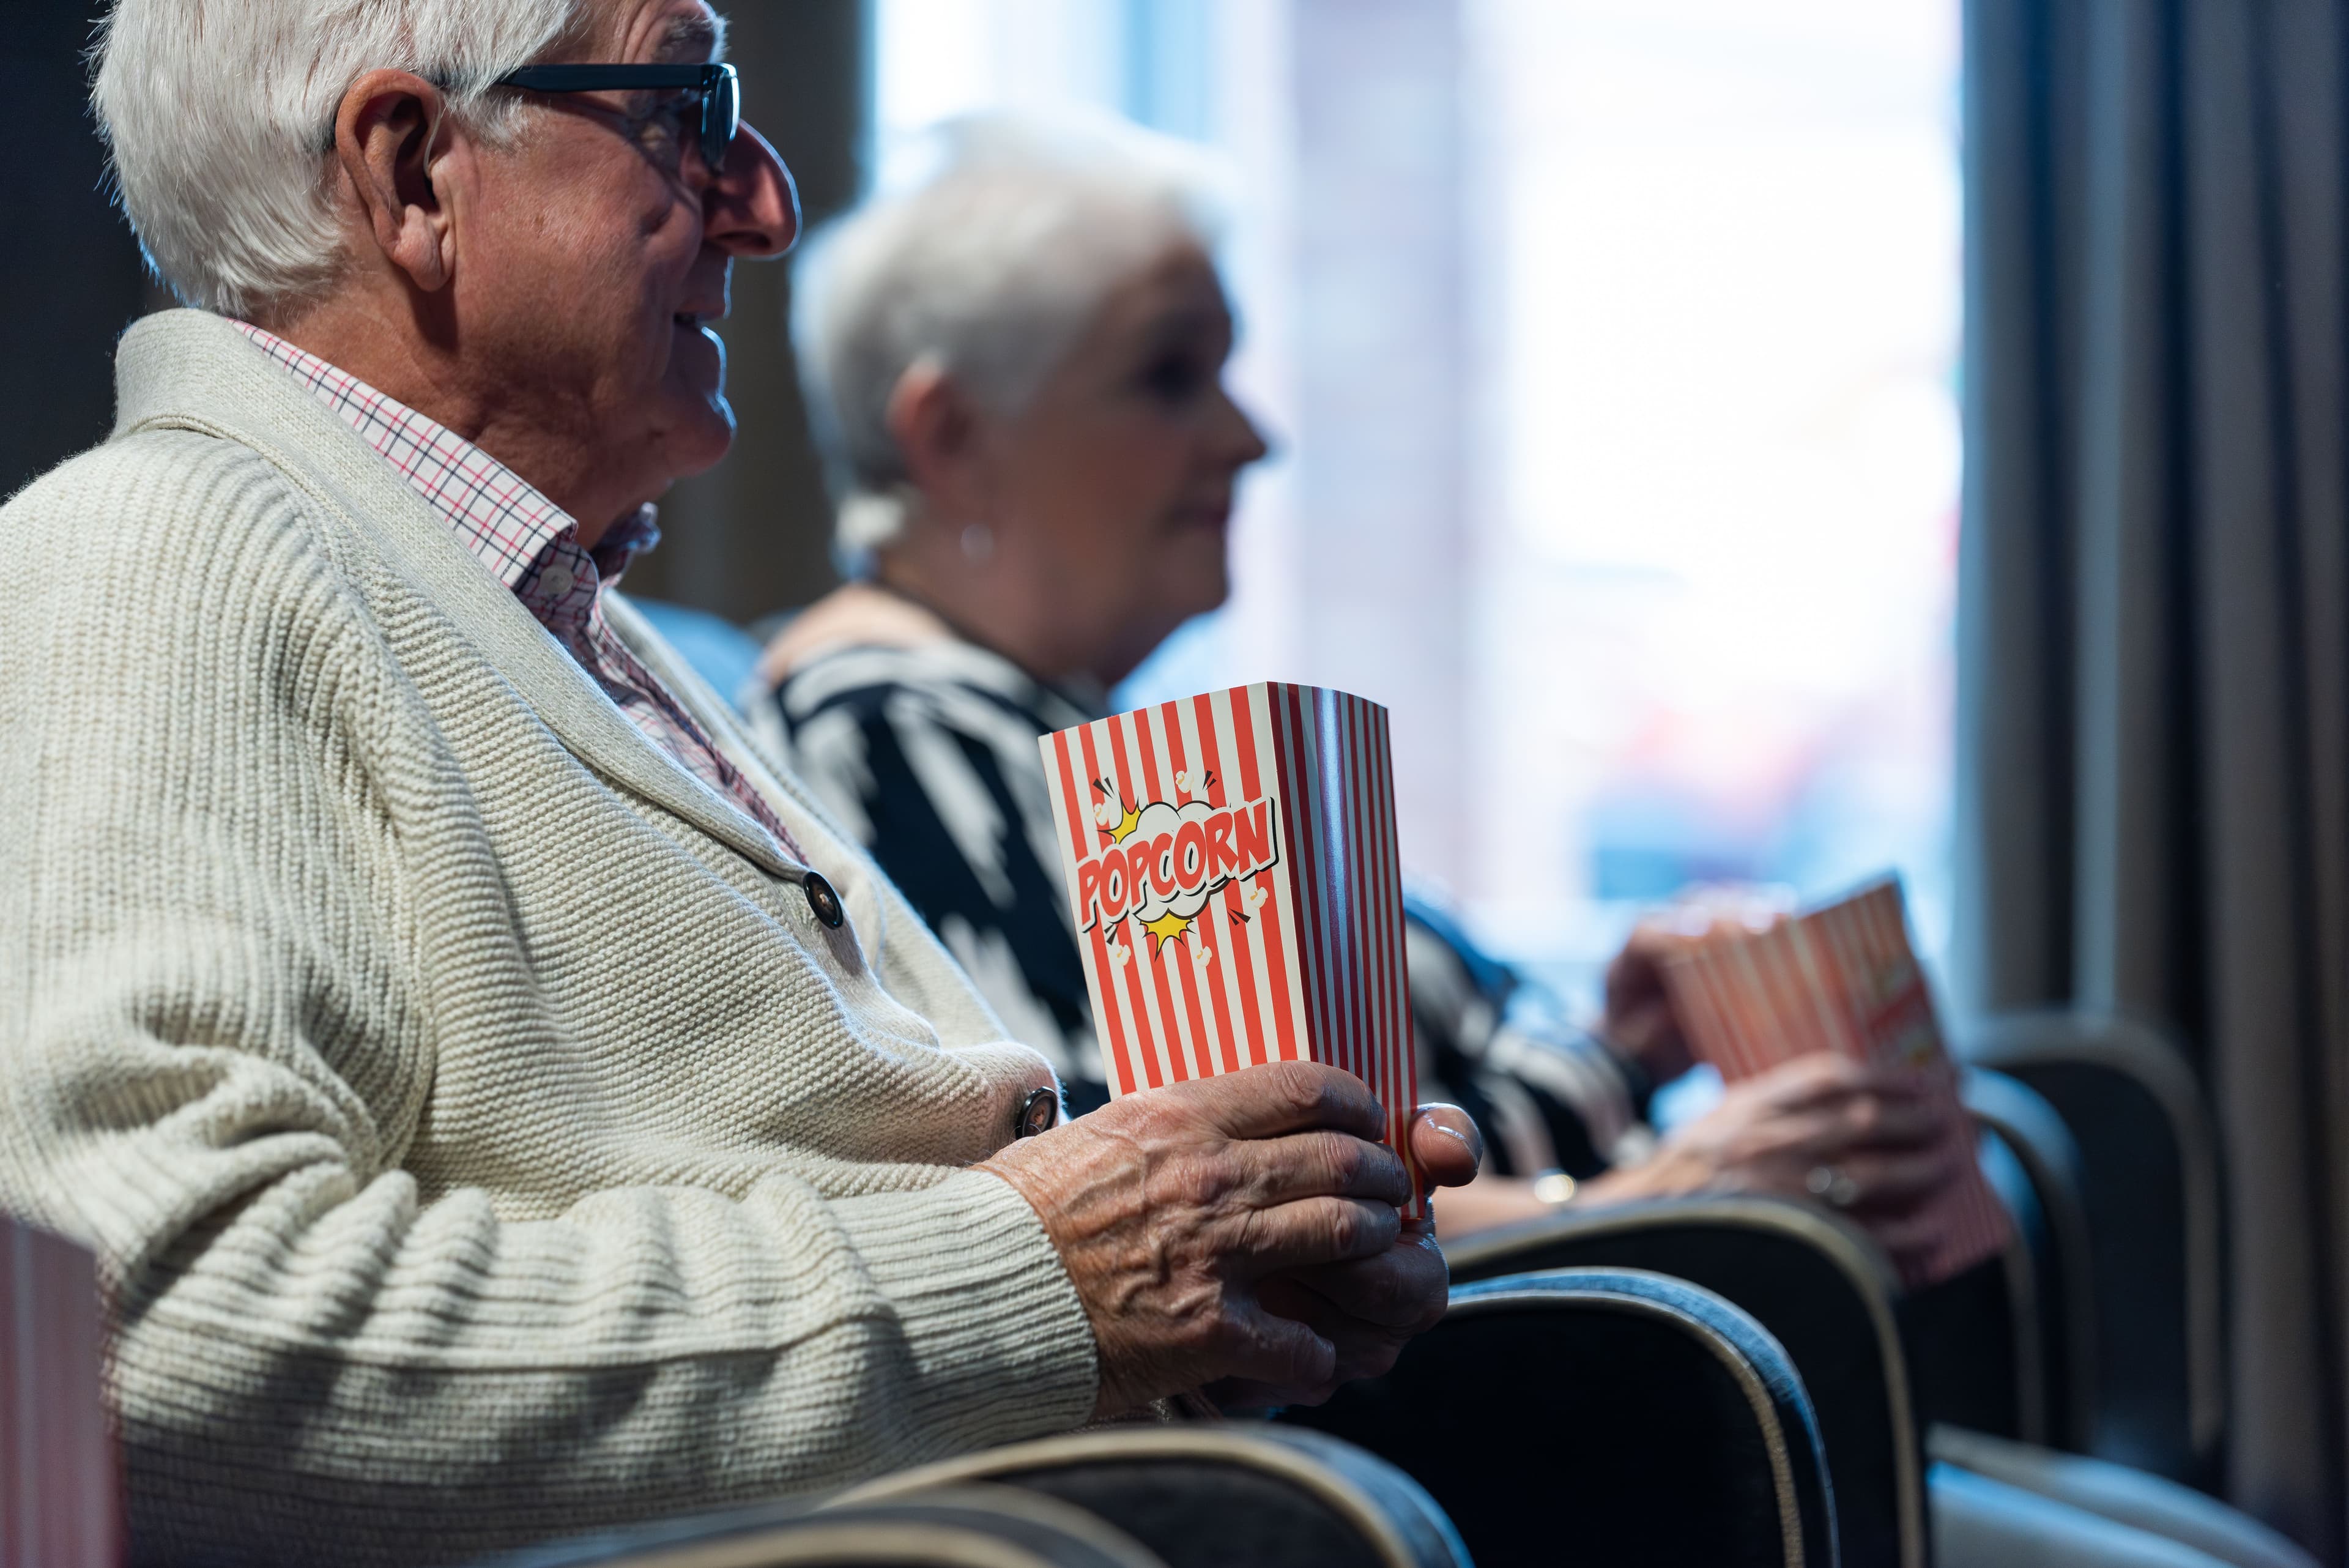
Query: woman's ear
937 431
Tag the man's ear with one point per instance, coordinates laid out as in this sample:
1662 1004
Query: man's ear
387 133
937 430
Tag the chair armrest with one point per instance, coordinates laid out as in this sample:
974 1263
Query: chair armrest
968 1527
2052 1223
1217 1494
2150 1184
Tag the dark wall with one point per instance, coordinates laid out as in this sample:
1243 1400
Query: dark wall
753 534
70 272
748 537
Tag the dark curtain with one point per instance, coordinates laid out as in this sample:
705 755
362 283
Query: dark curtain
2154 631
70 271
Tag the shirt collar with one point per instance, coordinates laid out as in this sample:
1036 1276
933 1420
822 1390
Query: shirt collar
507 522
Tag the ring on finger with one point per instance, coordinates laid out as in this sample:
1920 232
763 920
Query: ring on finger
1833 1185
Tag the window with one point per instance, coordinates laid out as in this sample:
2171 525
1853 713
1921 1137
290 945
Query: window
1613 344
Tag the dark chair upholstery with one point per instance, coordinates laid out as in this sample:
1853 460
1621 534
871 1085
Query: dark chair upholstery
1818 1285
1968 1340
970 1527
1601 1417
2150 1184
2034 1163
1219 1495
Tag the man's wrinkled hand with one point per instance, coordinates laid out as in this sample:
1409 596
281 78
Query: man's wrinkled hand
1369 1310
1190 1217
1171 1206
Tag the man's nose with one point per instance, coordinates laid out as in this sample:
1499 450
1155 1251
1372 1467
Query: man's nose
753 208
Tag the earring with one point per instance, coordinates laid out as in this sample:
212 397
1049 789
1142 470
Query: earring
978 543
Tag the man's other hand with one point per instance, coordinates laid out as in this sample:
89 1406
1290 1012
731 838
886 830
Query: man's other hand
1241 1230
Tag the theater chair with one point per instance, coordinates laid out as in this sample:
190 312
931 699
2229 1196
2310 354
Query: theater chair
1816 1284
1601 1417
2034 1164
975 1527
2149 1182
1218 1495
1233 1495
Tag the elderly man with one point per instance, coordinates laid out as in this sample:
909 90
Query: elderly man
500 1102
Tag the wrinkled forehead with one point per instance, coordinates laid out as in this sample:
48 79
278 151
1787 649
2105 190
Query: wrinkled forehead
683 31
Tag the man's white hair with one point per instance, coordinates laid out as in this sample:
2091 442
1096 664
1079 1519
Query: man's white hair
220 115
988 268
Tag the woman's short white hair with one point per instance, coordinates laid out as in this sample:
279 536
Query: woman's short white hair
989 267
220 115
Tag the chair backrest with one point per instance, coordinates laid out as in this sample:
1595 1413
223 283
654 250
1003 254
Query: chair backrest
2034 1163
1220 1494
2149 1183
964 1527
1602 1416
1818 1285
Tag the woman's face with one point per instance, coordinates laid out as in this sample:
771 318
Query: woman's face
1114 487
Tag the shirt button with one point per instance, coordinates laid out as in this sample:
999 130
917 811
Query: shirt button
823 900
1040 1111
557 581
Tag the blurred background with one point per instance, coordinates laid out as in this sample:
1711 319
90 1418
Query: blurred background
1610 348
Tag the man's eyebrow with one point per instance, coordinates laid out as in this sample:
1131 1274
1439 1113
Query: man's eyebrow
695 39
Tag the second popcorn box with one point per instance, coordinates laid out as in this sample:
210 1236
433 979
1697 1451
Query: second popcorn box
1236 891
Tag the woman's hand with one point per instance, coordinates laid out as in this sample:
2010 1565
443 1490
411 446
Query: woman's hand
1867 1139
1639 1022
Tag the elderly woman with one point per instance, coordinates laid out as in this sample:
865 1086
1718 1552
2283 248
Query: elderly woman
1016 371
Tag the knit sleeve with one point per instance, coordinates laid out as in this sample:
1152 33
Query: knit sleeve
235 871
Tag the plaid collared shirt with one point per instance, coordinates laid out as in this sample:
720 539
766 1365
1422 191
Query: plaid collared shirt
531 546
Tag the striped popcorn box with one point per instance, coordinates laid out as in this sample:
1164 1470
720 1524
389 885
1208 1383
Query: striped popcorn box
60 1483
1842 979
1238 899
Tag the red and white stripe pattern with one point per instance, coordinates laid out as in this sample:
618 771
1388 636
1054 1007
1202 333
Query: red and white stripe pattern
1841 978
1239 896
60 1481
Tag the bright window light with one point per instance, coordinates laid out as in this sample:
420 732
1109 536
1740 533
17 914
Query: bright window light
1710 268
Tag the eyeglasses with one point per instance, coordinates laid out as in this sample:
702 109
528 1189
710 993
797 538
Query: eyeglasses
720 91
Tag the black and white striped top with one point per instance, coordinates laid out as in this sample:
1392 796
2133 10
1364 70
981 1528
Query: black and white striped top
927 754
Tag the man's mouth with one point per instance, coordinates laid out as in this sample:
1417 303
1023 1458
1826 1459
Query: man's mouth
689 320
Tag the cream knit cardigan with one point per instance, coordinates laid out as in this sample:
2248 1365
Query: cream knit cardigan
482 1138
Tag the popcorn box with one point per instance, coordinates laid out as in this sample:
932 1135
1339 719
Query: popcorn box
1236 891
1843 978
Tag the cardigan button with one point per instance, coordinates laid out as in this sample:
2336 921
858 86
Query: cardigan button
823 900
1040 1111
